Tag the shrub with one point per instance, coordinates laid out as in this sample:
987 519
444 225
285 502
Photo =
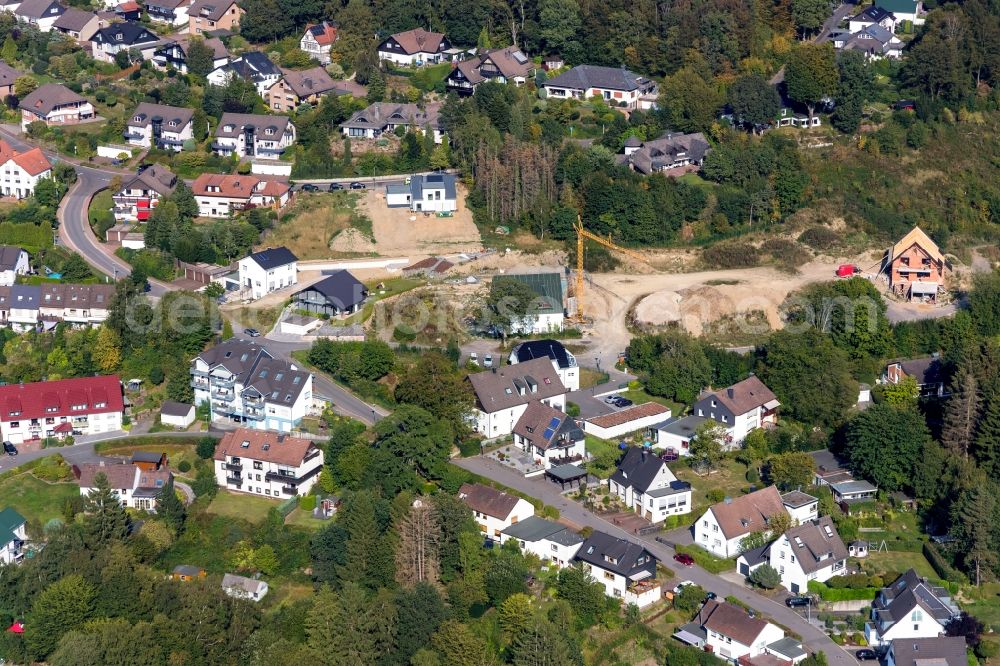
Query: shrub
572 409
184 467
715 495
205 448
785 252
731 254
752 475
819 238
941 565
404 334
766 577
307 503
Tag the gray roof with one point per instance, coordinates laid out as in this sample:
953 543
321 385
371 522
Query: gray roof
155 177
510 385
247 585
566 472
434 181
148 456
683 426
74 20
849 487
146 111
9 254
938 651
252 365
675 488
553 349
381 114
237 121
8 75
797 499
187 570
535 529
548 286
817 544
907 592
757 555
788 647
172 408
637 469
663 152
25 296
340 289
826 461
128 33
617 555
273 257
584 77
49 96
871 13
39 8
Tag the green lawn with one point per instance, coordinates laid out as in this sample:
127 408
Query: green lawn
35 499
983 603
300 518
730 478
898 561
241 505
590 377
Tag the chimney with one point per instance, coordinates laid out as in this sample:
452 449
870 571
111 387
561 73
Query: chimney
643 454
730 392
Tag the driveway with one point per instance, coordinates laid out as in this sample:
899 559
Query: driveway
813 639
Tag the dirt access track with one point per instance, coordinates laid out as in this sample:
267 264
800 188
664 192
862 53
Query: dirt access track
401 233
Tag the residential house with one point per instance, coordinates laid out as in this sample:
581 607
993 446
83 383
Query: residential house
872 15
174 54
646 485
161 126
904 10
267 270
221 195
626 569
636 418
21 172
875 42
384 117
176 414
12 536
675 434
136 488
14 261
141 193
414 47
494 510
109 41
549 436
829 468
927 371
267 463
54 104
915 266
40 13
431 193
740 408
616 86
853 492
911 607
563 361
127 11
186 573
296 88
8 75
810 551
19 306
941 651
547 313
252 135
733 634
149 460
317 40
722 528
26 307
550 542
212 15
671 152
337 295
241 587
506 65
81 406
800 506
253 66
79 24
243 383
173 12
503 394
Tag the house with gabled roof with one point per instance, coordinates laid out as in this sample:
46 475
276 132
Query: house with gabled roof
253 135
8 75
506 65
927 371
875 42
338 294
298 87
549 435
939 651
20 172
810 551
731 633
670 153
626 569
384 117
161 126
494 510
12 536
644 483
725 524
125 36
915 266
14 261
547 313
268 270
80 406
241 587
78 24
268 463
317 40
905 10
911 607
617 86
39 13
174 12
221 195
175 53
872 15
54 104
739 408
252 66
141 193
562 359
503 394
136 487
550 542
414 47
212 15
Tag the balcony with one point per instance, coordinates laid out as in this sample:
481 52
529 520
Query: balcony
233 467
278 476
134 136
290 490
234 481
224 382
199 373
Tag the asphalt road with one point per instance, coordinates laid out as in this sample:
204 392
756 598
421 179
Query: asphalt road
813 638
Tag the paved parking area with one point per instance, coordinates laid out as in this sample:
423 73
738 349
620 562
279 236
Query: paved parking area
627 520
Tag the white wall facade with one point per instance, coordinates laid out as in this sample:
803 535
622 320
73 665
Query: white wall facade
917 624
538 324
260 281
492 526
18 431
226 396
269 479
727 648
12 552
7 278
793 578
173 137
16 182
501 422
709 536
555 554
616 587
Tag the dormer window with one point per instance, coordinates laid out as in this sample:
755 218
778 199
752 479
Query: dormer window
269 131
245 444
137 119
119 36
229 128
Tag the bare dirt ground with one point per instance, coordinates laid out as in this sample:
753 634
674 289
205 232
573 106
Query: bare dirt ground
398 232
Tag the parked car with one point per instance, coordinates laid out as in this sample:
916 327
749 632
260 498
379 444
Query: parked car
610 400
866 655
794 602
252 332
357 186
681 585
711 595
621 402
488 361
9 449
474 358
336 186
684 559
309 187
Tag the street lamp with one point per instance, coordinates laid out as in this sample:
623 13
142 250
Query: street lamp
374 420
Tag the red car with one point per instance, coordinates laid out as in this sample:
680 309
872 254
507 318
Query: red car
684 559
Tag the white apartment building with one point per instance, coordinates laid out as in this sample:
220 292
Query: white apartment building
550 542
742 407
141 193
249 135
645 484
220 195
81 406
136 487
12 536
161 126
502 394
267 270
20 172
625 569
810 551
243 383
911 607
494 510
267 463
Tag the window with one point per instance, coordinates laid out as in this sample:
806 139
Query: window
918 615
15 424
258 465
608 575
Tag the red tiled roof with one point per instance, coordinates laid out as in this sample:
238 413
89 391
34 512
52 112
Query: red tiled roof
48 399
129 7
264 445
323 33
237 187
32 161
630 414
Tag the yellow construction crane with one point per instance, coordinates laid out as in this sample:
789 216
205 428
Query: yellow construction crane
582 233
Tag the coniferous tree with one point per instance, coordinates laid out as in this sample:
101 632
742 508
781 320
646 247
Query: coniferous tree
987 449
169 507
107 521
961 415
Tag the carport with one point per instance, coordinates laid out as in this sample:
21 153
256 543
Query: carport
563 474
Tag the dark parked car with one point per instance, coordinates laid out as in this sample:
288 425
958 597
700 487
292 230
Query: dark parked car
357 186
684 559
793 602
9 449
336 186
252 332
621 402
866 655
309 187
710 595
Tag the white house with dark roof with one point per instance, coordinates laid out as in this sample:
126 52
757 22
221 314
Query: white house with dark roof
939 651
732 634
872 15
626 569
549 435
317 40
506 65
669 153
424 194
174 12
141 193
550 542
810 551
159 125
125 36
175 53
267 270
911 607
414 47
503 394
562 359
547 313
337 295
253 135
494 510
243 383
740 408
646 485
267 463
253 66
241 587
12 536
675 434
39 13
616 86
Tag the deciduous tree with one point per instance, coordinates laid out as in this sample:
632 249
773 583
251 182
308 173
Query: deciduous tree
754 101
811 74
884 443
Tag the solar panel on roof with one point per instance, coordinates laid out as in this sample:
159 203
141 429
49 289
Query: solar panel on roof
554 423
548 433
